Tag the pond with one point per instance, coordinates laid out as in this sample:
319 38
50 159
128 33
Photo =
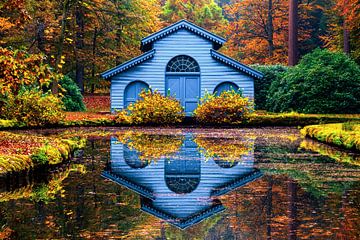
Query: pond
165 183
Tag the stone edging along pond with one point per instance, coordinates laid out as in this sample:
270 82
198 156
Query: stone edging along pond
19 152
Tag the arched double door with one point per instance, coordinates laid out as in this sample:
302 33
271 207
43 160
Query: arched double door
182 81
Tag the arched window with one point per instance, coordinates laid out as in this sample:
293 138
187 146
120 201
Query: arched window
182 63
182 176
132 159
226 164
225 86
132 91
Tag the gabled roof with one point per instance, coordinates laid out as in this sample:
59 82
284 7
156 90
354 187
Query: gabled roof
126 65
128 184
235 64
216 207
146 43
239 182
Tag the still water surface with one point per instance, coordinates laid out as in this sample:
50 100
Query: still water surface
188 184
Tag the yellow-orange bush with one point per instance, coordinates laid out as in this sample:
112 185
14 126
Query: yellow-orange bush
152 108
228 108
33 108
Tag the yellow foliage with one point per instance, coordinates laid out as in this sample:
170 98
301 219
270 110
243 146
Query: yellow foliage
346 135
152 108
231 149
151 147
228 108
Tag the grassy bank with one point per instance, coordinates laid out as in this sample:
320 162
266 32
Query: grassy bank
344 135
19 152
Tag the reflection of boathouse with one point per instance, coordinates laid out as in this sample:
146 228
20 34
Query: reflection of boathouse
181 188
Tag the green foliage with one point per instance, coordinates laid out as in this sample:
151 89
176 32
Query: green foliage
207 14
72 98
271 73
33 108
40 157
152 108
40 193
227 108
323 82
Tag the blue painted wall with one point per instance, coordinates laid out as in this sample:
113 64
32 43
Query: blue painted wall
182 42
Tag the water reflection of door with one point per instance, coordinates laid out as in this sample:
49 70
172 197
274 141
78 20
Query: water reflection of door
182 174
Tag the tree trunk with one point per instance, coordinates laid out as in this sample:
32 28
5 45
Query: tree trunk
292 192
346 32
79 44
293 52
270 29
40 35
269 211
54 86
93 61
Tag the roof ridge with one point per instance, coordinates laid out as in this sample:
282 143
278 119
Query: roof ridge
218 40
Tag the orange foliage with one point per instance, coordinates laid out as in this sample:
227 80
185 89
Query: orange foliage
97 103
77 116
252 37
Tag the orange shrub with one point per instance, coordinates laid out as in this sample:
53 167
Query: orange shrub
228 108
152 108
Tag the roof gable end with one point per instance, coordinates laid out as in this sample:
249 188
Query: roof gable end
129 64
146 43
235 64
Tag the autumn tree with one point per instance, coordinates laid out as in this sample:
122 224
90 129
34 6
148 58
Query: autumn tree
343 27
258 30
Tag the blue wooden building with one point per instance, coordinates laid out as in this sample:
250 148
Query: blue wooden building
183 188
181 60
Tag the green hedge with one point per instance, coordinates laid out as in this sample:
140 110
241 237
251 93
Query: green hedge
323 82
262 86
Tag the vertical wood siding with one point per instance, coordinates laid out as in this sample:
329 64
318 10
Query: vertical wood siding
182 42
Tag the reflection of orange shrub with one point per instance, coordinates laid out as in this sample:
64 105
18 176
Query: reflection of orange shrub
151 147
227 149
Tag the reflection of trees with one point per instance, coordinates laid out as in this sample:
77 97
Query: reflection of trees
151 146
43 191
289 213
224 149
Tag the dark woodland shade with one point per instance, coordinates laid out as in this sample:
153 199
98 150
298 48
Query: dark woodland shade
182 63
